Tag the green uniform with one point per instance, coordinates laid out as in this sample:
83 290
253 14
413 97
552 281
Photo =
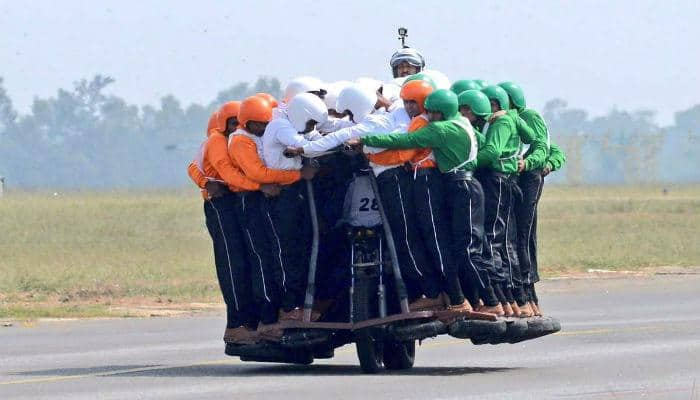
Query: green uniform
556 158
502 146
450 143
461 227
532 136
533 119
480 138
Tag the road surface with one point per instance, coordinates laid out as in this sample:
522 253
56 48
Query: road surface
621 339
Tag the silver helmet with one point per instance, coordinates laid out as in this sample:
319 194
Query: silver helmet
409 55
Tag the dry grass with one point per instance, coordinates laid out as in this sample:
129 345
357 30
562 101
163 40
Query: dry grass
618 228
79 254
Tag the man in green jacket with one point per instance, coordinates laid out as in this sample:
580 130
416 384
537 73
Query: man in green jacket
454 145
531 181
499 160
476 107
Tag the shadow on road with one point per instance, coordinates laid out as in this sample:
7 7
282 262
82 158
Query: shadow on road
253 370
301 370
81 371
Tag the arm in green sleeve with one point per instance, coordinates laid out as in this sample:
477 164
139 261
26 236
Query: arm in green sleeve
496 139
480 138
556 159
427 137
481 142
535 136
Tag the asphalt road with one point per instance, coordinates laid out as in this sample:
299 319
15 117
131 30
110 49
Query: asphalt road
621 339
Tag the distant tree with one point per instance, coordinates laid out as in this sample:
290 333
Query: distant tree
85 137
688 120
8 115
562 120
243 90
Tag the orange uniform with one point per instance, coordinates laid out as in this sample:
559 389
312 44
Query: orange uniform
392 157
218 165
197 176
213 162
243 151
193 170
419 158
422 157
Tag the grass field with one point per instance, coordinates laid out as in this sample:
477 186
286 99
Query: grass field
93 254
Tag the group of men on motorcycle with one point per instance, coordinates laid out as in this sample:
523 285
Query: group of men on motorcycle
459 167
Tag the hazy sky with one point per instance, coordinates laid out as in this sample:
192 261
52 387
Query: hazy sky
595 54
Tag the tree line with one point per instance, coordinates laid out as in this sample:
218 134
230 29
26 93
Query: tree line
84 138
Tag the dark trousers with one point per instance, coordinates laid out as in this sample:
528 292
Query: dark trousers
395 193
530 183
500 195
330 185
251 207
232 269
465 201
434 226
289 233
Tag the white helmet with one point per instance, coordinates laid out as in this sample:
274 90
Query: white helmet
392 89
300 85
369 83
305 107
358 100
441 80
333 91
409 55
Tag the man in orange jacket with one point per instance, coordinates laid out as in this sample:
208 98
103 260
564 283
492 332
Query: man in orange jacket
209 188
245 151
215 168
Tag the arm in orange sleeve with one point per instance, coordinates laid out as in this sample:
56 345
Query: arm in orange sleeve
245 153
217 152
196 175
417 122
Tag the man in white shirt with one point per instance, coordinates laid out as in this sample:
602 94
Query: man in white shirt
288 214
302 84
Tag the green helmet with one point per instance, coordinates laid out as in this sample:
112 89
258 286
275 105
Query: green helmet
420 77
444 101
464 84
481 83
515 92
495 92
476 101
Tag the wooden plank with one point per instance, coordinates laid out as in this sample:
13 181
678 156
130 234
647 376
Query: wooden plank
314 325
447 314
393 318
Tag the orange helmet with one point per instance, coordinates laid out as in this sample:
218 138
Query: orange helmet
268 97
213 122
228 110
417 91
254 108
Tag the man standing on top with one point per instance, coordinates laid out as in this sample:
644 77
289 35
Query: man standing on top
531 181
405 62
